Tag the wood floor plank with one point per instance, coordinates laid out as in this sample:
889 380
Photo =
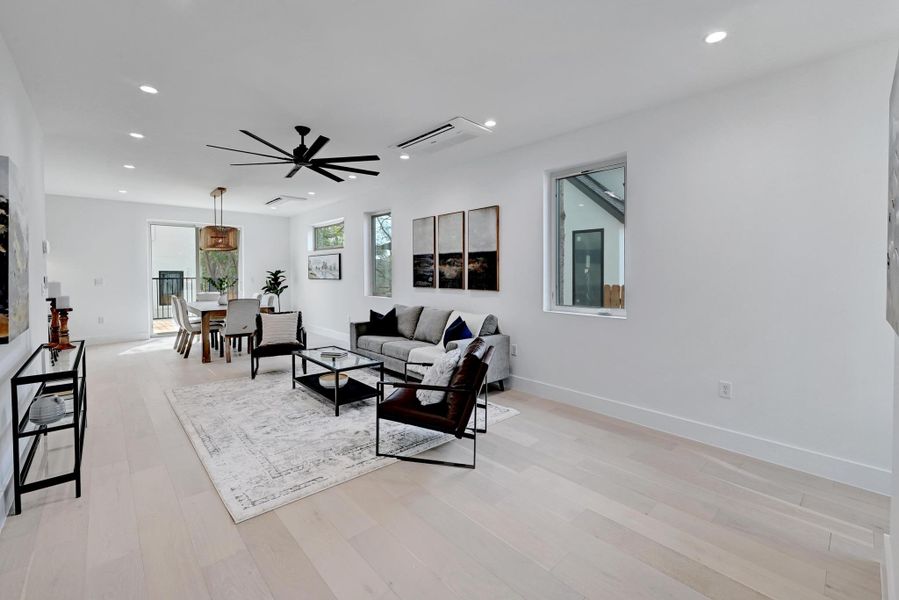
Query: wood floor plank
564 503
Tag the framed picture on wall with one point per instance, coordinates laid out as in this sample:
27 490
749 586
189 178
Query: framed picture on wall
324 266
483 249
451 251
13 256
424 252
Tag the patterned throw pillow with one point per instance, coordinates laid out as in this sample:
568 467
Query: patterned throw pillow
439 374
279 328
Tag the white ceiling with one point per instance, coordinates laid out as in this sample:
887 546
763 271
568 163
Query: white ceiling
370 73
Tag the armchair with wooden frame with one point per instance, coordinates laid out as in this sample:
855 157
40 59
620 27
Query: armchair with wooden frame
448 416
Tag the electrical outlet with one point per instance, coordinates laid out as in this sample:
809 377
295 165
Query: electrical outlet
98 281
514 349
725 390
100 320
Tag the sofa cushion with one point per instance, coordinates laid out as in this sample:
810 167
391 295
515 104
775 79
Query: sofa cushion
431 324
426 354
407 319
373 343
473 321
490 326
457 330
400 349
385 324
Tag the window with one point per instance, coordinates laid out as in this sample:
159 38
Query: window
381 260
588 207
328 237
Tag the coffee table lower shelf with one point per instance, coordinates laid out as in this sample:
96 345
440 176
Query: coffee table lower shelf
352 391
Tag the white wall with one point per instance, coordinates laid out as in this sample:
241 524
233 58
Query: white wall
103 239
21 139
173 249
755 243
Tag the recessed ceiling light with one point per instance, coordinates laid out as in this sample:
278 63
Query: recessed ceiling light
715 37
581 205
489 123
274 208
148 89
137 136
311 193
128 166
352 176
404 156
123 191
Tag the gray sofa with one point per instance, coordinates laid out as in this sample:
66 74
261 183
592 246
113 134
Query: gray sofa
421 329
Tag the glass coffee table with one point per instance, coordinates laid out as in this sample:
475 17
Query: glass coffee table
352 391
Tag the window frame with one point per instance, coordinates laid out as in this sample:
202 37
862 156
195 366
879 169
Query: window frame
316 227
372 253
551 266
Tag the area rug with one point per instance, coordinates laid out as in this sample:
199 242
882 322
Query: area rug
265 444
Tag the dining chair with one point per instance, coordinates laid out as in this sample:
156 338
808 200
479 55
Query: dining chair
176 317
240 322
192 328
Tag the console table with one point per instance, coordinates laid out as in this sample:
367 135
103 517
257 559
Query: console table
61 373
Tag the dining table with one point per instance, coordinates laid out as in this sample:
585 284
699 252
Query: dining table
209 311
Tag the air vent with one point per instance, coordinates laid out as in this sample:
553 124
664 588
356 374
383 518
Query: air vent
274 203
453 132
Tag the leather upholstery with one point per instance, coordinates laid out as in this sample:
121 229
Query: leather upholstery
403 406
465 376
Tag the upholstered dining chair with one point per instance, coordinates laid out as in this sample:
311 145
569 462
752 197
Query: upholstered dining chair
190 328
240 322
448 416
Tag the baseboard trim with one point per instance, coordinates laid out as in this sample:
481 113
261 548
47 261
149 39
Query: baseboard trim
339 336
887 574
100 340
868 477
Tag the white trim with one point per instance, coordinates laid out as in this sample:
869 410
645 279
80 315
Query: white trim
868 477
100 340
887 574
333 334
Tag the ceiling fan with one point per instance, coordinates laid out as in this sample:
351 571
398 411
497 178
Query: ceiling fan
303 156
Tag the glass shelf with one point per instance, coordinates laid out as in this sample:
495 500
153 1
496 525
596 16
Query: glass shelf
67 421
40 366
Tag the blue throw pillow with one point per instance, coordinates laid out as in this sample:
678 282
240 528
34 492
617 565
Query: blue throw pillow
457 331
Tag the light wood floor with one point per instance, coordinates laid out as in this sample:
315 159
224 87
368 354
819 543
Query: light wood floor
564 504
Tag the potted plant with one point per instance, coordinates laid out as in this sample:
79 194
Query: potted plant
222 285
274 284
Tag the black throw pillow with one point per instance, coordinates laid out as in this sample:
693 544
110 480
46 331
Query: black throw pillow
379 324
458 330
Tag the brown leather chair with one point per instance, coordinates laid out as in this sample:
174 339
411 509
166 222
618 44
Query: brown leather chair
449 416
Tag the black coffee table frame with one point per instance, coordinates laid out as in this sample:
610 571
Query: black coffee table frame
353 391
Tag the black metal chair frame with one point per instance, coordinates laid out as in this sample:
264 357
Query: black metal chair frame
470 433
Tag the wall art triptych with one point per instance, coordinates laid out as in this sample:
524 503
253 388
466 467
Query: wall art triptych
439 257
13 255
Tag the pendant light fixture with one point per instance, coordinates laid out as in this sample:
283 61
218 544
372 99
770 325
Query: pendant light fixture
217 237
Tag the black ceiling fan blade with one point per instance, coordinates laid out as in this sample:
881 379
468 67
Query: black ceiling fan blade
278 162
293 171
348 169
334 159
269 144
244 151
321 171
317 145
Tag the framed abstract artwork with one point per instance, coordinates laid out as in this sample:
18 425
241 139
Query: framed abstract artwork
483 249
451 251
324 266
424 252
893 210
13 256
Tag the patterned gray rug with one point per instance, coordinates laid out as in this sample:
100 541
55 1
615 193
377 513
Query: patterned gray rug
265 444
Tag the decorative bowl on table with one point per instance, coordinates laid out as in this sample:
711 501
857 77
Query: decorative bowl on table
46 410
327 380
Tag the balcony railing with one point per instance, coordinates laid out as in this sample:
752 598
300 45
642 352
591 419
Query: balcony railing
163 288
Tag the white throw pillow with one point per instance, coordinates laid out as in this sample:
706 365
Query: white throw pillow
279 329
439 374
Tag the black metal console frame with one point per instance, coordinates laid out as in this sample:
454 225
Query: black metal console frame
63 382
